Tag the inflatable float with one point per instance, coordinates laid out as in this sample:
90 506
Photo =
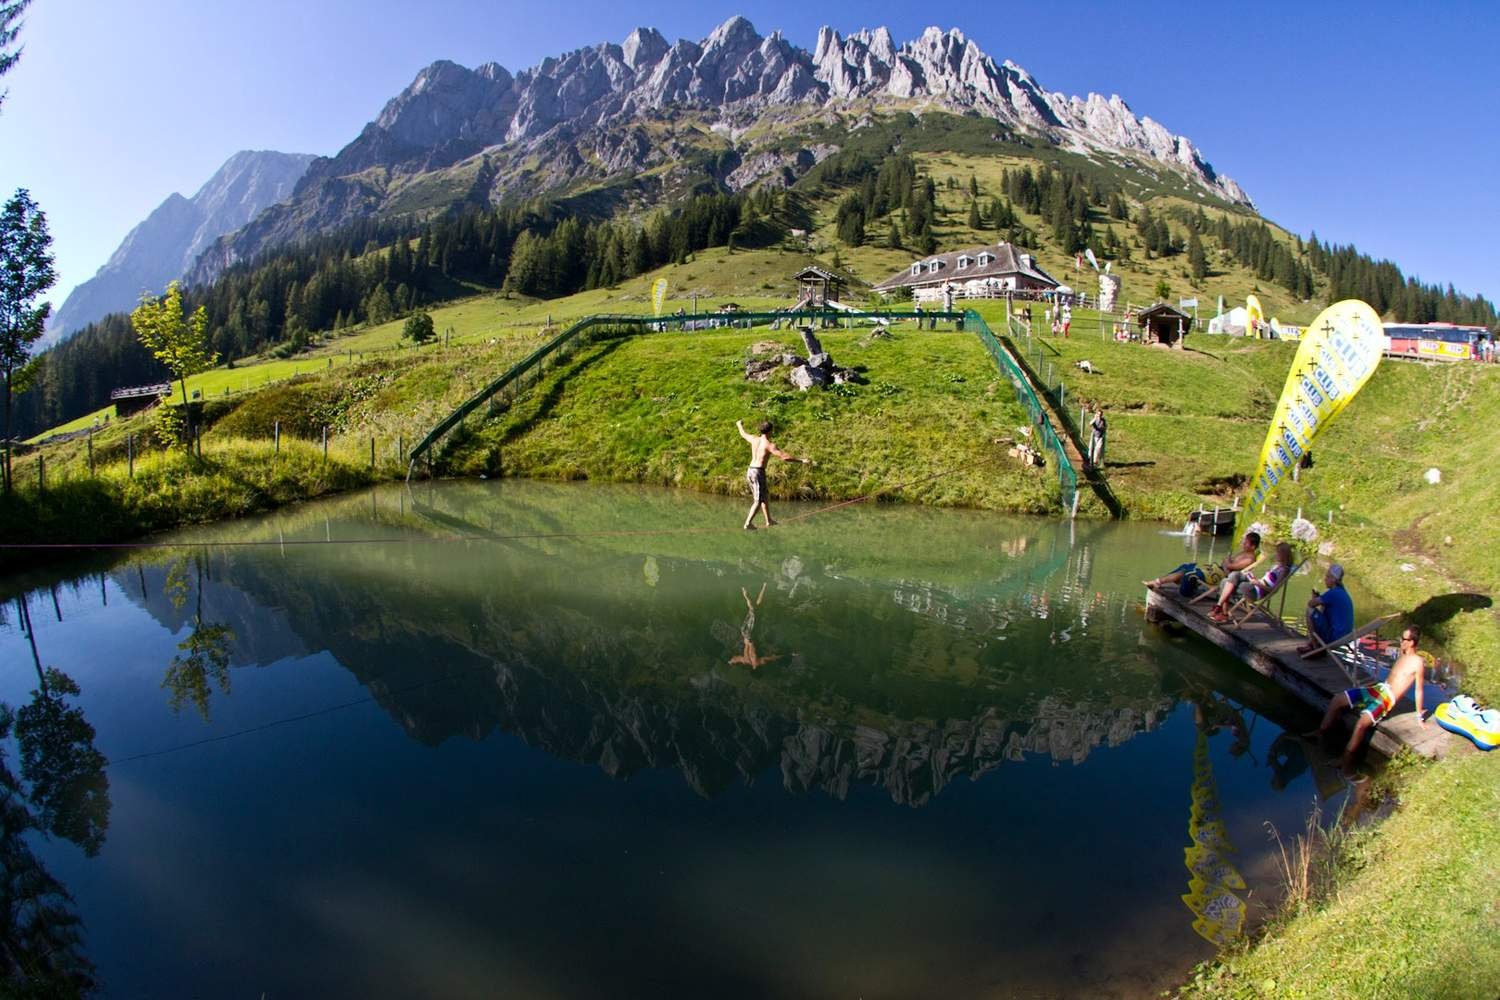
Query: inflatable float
1465 717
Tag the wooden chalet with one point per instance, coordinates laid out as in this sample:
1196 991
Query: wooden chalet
972 273
1163 324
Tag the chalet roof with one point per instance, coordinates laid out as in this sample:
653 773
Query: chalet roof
1161 310
820 273
1007 261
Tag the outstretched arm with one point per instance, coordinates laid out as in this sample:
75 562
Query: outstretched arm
787 458
740 426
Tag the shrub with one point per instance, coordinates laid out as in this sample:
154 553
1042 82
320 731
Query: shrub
418 328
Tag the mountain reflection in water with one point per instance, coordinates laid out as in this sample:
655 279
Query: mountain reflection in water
905 683
812 686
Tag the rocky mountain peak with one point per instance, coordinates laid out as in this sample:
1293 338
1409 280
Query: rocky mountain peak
567 112
643 46
172 237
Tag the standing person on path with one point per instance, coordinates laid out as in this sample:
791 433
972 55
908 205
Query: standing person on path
761 447
1098 427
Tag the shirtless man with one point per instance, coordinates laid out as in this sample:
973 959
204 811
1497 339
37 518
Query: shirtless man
761 447
1373 703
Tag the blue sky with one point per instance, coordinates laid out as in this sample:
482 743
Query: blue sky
1372 123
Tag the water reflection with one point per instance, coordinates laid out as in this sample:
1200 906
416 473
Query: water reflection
749 656
61 791
202 661
822 694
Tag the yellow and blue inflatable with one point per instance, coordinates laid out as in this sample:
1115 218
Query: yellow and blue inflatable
1465 717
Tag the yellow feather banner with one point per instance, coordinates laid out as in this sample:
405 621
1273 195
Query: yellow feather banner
1336 357
1255 316
658 294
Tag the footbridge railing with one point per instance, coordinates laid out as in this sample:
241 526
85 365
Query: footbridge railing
1067 476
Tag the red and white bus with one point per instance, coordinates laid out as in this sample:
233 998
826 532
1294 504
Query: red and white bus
1434 341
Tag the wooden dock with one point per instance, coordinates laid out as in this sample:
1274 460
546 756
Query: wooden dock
1270 648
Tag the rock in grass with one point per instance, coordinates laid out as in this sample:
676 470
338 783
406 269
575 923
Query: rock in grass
805 377
757 370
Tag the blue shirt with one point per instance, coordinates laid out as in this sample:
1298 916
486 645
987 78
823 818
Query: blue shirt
1338 611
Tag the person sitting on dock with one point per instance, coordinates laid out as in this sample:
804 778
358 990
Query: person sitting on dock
1329 614
1373 703
1248 586
1190 577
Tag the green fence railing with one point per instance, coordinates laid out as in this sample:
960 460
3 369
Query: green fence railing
1067 476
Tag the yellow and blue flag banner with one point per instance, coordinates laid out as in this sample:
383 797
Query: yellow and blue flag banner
1336 357
658 294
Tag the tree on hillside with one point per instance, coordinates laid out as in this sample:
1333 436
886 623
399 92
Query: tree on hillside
418 328
178 341
893 238
974 221
1197 259
1163 290
10 27
25 273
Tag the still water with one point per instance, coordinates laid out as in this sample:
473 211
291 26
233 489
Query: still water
529 739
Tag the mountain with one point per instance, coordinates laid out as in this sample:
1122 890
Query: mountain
651 119
165 245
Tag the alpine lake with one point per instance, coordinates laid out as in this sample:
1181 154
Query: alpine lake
571 740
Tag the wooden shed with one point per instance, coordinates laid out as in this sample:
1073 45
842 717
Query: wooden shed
817 286
1164 324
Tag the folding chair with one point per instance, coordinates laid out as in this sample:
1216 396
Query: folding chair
1263 603
1350 669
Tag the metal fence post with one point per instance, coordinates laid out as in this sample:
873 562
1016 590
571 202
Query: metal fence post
276 432
130 455
325 442
372 451
91 454
41 474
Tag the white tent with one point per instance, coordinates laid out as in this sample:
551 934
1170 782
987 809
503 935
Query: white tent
1234 322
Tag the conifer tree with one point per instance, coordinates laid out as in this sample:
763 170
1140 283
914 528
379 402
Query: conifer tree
1197 259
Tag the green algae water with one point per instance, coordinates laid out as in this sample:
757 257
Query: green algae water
525 739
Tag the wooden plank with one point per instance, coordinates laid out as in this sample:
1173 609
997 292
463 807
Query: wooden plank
1270 648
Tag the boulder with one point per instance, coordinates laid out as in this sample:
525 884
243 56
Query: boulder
792 360
820 361
805 378
757 370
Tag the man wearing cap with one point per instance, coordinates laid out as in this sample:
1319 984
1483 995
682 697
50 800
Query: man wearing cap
1329 614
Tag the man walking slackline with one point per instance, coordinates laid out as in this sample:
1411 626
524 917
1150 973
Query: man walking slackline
761 447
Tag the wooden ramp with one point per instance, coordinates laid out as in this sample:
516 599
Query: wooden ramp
1270 648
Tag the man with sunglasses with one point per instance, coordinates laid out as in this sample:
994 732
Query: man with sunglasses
1373 703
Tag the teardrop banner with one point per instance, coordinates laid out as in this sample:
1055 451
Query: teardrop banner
1255 316
659 294
1336 357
